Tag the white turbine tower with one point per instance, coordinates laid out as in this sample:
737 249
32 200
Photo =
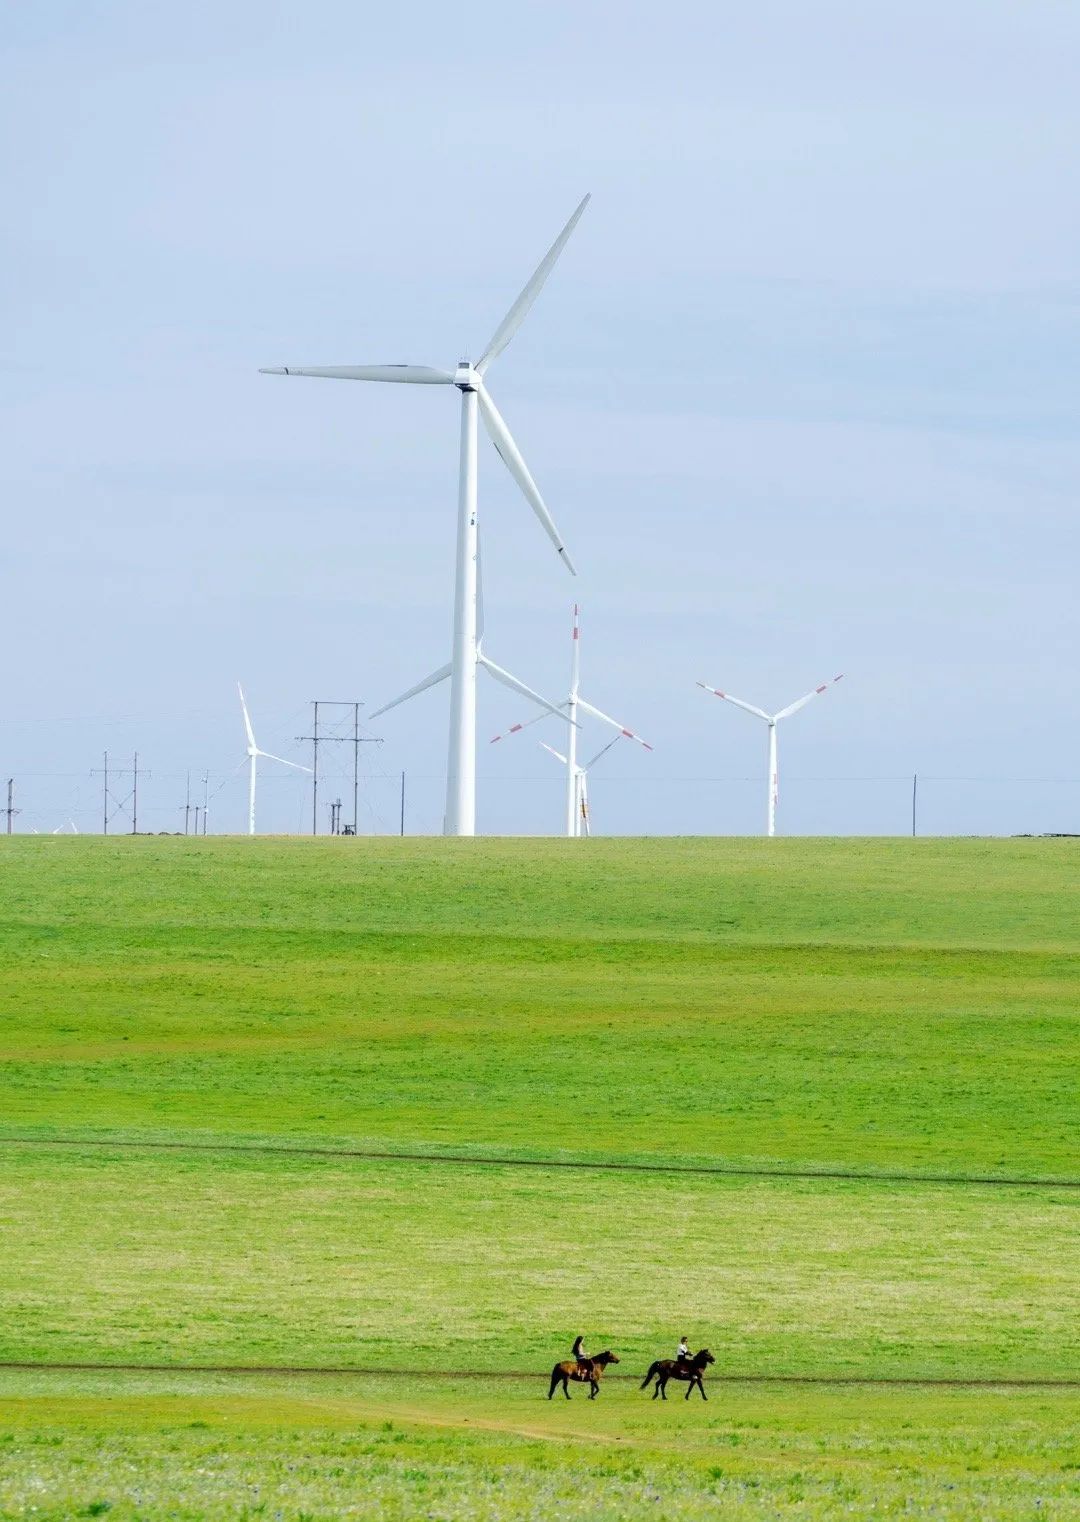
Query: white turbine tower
466 654
576 788
772 719
254 753
580 784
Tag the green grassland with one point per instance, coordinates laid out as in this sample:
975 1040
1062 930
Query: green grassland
905 1012
262 1448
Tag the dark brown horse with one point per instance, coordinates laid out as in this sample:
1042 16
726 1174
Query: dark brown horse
664 1369
590 1372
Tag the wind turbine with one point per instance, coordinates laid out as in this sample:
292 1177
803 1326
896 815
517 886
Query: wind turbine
254 753
580 783
466 654
575 786
772 719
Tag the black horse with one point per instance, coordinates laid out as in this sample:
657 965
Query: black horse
663 1369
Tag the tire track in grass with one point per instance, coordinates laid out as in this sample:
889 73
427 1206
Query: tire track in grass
902 1381
458 1160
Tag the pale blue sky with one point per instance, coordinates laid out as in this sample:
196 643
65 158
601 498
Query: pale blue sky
801 396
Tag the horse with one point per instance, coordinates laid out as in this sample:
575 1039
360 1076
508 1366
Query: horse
663 1369
582 1373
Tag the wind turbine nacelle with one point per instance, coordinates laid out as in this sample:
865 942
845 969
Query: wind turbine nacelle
466 377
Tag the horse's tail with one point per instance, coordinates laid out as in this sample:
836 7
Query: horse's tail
556 1376
652 1370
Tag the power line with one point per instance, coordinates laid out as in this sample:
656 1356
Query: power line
120 805
315 739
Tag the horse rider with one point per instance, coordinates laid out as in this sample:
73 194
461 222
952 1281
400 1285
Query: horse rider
578 1352
684 1354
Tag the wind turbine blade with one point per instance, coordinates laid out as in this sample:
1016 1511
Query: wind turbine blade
607 719
512 682
526 724
759 712
247 717
269 755
556 753
802 702
511 457
429 681
603 752
518 312
416 375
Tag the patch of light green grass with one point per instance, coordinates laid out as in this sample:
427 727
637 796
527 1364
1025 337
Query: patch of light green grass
398 1449
884 1005
201 1258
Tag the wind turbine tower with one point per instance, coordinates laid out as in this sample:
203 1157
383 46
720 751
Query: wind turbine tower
772 719
576 786
254 753
466 653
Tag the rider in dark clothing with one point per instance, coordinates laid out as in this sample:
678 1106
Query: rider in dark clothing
578 1352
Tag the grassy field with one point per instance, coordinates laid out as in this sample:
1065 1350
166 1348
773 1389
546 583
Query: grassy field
893 1010
304 1449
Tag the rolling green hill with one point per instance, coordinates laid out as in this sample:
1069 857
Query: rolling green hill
872 1044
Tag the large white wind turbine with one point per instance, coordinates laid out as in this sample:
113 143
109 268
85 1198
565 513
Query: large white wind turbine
466 653
254 753
575 786
772 719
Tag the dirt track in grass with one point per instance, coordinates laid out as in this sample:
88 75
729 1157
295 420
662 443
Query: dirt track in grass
911 1382
462 1159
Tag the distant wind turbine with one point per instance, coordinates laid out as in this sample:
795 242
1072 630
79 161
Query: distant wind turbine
580 784
254 753
466 653
575 785
772 720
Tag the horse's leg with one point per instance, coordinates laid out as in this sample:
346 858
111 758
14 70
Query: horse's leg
566 1385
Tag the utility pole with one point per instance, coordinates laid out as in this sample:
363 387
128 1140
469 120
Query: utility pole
205 801
315 739
914 801
113 805
11 809
315 772
187 807
355 767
